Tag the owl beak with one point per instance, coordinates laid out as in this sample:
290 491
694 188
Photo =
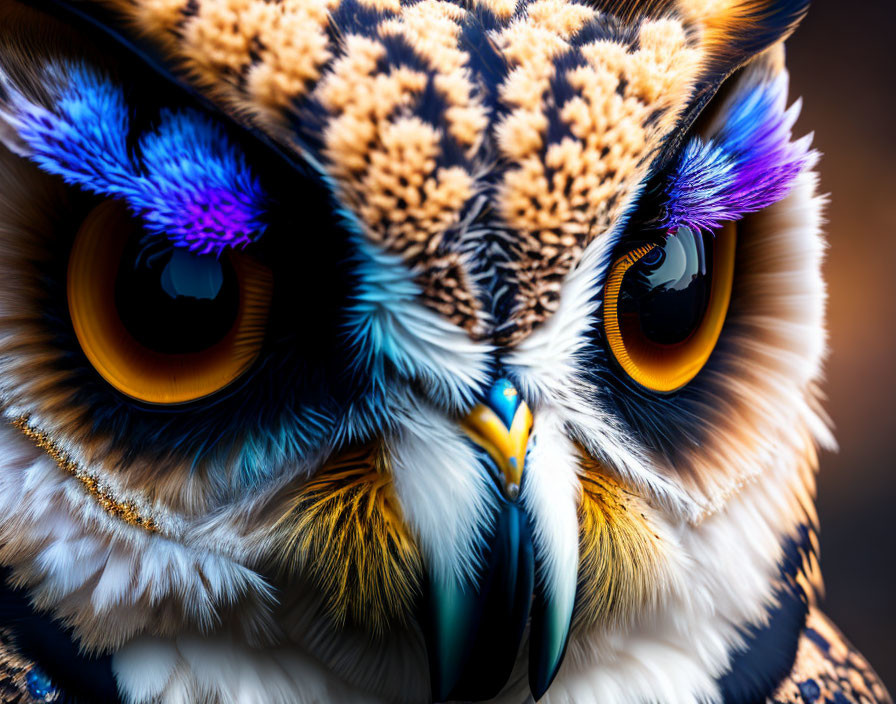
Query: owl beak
501 425
474 627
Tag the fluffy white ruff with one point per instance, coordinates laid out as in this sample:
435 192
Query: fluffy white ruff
550 494
106 578
443 493
193 669
113 582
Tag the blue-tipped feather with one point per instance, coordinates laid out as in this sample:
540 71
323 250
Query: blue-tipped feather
189 182
748 165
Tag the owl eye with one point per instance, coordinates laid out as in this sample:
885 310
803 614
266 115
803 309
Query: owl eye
165 329
665 304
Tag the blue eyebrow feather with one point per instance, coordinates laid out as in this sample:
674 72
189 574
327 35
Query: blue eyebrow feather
191 184
749 164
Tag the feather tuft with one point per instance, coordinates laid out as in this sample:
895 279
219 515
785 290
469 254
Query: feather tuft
344 529
748 165
186 181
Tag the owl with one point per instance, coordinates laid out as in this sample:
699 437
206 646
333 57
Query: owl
410 351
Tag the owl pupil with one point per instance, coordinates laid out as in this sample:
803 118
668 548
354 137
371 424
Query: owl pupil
177 302
192 277
667 291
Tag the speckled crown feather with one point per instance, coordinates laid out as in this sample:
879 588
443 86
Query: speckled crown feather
437 121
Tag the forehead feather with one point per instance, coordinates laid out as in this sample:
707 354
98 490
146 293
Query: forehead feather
553 110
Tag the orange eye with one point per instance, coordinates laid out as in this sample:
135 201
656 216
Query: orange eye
166 329
665 304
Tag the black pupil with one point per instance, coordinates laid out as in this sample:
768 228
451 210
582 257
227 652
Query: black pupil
176 302
667 290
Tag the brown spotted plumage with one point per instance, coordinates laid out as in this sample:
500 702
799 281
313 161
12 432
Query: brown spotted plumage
829 670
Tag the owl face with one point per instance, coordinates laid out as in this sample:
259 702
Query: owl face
368 350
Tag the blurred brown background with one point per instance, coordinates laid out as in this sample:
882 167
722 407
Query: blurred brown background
843 63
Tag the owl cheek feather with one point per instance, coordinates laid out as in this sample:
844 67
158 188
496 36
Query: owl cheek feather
344 530
621 559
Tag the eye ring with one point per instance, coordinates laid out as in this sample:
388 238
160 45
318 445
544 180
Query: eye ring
131 367
665 368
